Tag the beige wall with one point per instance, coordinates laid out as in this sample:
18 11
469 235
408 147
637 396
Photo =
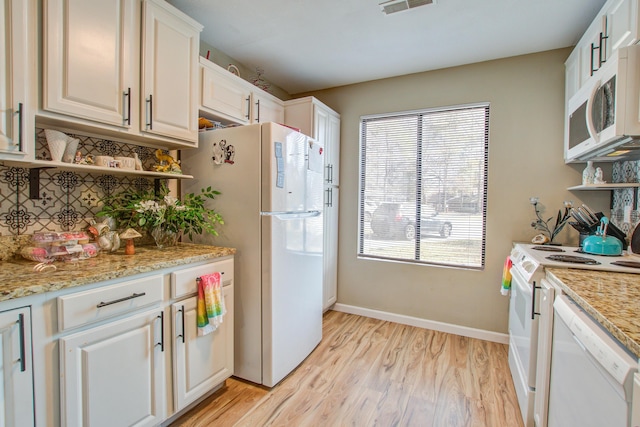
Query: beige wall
526 96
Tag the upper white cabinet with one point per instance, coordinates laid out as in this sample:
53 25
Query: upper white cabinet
320 122
615 26
170 44
266 107
89 51
230 99
223 95
17 79
16 368
125 68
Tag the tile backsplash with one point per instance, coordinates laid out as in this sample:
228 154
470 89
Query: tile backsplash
625 199
67 200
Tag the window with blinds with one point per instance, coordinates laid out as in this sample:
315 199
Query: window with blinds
432 165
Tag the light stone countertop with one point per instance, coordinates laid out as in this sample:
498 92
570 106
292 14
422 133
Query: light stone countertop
17 278
613 299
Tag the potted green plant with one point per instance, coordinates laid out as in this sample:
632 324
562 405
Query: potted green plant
164 216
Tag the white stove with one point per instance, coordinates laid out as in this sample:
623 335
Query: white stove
530 260
531 312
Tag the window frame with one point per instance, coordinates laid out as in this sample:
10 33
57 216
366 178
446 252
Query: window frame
418 164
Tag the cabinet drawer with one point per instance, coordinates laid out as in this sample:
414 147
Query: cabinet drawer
183 282
85 307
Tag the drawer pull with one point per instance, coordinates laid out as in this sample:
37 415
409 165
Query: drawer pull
182 314
161 343
20 323
115 301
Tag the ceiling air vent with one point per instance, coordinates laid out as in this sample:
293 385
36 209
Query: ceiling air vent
393 6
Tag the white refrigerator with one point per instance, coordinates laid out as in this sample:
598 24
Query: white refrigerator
271 180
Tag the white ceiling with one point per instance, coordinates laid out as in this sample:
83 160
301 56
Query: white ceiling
305 45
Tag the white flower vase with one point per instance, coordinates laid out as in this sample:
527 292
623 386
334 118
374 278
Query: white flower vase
70 151
588 174
57 142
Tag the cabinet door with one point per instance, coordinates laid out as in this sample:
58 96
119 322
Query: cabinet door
330 256
16 369
200 363
223 95
113 375
169 72
266 108
543 365
332 148
622 25
589 55
90 48
320 132
327 131
15 107
572 75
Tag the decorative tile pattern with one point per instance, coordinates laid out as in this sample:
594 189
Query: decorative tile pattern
627 171
68 200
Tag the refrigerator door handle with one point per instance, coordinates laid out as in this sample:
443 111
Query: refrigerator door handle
292 215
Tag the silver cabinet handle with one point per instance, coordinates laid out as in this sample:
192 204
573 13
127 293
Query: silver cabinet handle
329 197
161 343
115 301
19 112
533 300
149 102
248 116
127 95
182 315
20 323
258 104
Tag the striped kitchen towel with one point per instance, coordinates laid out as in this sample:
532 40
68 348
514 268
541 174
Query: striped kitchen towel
211 309
506 277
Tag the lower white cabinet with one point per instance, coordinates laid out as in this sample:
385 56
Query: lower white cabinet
16 368
200 363
124 352
114 374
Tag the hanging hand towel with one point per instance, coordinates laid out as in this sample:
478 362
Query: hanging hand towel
210 303
506 277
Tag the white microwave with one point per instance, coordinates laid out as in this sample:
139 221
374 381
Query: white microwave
603 116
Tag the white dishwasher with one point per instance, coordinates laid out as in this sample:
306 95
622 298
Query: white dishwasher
591 373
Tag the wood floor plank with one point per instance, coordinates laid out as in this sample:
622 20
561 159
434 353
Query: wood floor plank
368 372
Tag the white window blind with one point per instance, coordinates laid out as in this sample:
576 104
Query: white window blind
432 165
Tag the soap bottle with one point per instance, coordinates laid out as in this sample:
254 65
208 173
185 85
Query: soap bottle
588 174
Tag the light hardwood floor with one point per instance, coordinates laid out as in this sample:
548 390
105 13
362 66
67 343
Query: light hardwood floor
369 372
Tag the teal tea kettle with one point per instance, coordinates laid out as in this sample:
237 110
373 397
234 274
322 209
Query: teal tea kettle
601 244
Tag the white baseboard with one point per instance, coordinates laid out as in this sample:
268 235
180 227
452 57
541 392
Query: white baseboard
424 323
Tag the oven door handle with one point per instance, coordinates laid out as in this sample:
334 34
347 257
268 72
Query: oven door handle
533 300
